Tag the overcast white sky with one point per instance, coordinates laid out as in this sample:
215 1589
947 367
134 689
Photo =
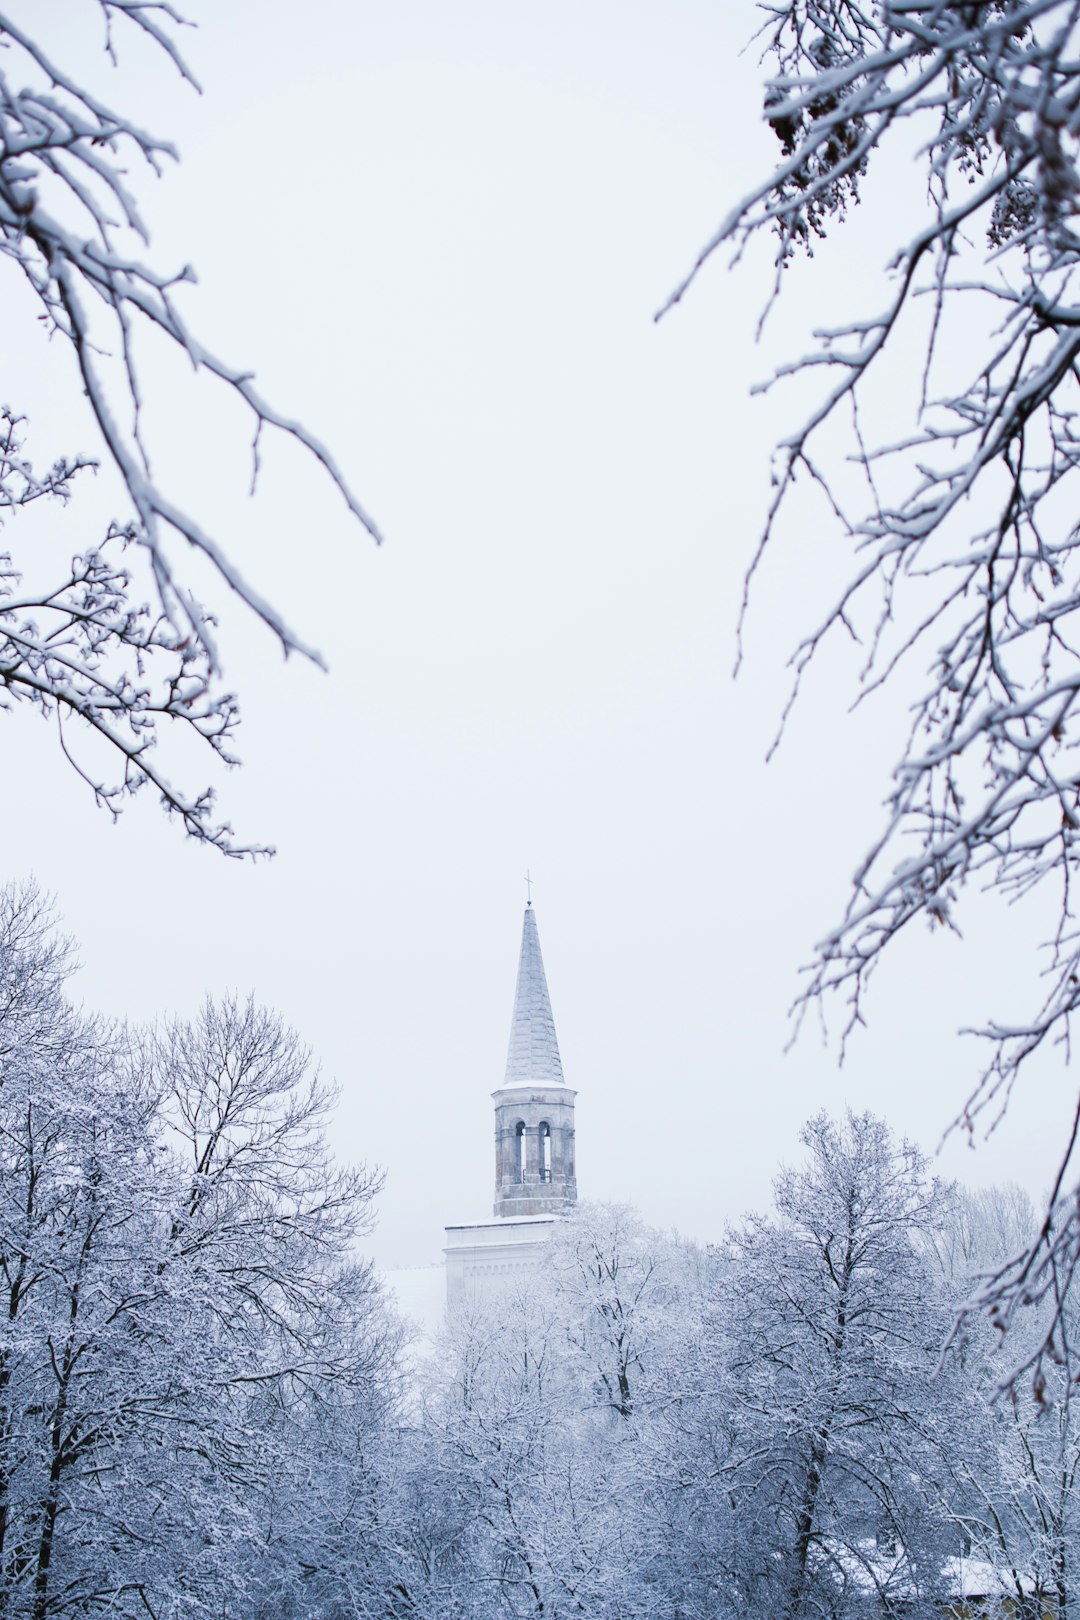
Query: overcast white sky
439 235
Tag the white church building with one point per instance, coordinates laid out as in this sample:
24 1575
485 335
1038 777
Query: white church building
534 1147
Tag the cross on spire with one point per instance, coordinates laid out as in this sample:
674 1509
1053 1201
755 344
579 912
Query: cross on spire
528 887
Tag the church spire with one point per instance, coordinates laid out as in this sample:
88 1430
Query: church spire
534 1108
533 1058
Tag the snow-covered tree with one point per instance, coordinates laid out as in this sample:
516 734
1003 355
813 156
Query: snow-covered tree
964 575
1019 1456
836 1465
77 1207
774 1426
536 1485
615 1284
512 1457
117 647
984 1227
196 1371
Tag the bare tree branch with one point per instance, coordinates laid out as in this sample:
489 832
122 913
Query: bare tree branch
966 550
69 220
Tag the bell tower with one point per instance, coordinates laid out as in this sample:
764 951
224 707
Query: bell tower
535 1173
534 1108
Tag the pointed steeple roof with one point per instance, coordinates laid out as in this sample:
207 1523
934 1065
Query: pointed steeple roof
533 1058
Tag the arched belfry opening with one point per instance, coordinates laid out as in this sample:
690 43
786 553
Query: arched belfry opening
534 1107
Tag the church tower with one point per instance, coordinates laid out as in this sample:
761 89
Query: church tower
534 1108
535 1177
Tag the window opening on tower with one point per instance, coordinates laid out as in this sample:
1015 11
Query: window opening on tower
545 1151
519 1167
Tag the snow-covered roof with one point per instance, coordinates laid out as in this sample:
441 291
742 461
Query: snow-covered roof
976 1577
533 1058
869 1567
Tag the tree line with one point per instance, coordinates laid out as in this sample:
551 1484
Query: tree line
786 1423
207 1405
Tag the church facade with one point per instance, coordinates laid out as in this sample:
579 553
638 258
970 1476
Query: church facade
535 1171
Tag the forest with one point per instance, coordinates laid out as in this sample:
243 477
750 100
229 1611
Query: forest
208 1405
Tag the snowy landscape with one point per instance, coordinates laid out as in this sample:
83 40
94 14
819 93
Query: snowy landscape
209 1405
618 449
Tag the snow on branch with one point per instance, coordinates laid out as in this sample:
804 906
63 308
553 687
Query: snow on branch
69 219
965 547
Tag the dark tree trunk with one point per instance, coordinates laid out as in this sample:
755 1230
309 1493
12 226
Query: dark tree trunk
804 1526
47 1538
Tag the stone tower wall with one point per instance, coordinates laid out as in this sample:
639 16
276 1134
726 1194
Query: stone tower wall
531 1193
